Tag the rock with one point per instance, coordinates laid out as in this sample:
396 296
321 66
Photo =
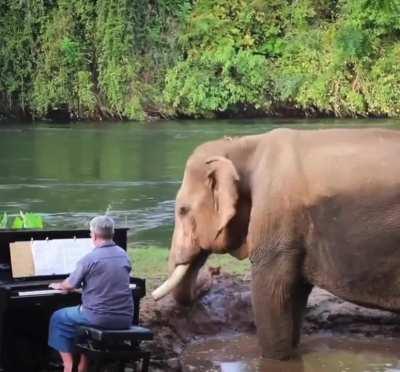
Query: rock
174 364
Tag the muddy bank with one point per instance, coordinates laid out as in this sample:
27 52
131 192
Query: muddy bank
224 307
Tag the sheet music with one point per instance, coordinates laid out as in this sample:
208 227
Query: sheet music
58 256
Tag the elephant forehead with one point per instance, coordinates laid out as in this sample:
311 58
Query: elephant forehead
193 180
195 167
192 196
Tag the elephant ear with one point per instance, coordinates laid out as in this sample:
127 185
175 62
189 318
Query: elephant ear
223 180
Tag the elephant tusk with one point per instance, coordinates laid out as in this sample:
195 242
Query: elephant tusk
171 282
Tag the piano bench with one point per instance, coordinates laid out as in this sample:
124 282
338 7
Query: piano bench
103 346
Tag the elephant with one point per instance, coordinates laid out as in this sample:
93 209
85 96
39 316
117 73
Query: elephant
310 207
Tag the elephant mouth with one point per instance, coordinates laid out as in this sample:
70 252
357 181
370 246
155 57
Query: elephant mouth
182 281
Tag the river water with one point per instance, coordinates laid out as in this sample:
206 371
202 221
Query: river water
71 172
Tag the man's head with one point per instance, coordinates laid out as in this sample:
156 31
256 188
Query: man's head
102 228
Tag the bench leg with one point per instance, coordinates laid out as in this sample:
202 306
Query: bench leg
120 366
97 365
145 362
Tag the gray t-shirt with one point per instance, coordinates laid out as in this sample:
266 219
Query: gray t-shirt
103 275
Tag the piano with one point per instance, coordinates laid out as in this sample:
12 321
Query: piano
26 304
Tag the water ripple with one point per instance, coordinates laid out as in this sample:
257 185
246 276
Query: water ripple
138 220
96 184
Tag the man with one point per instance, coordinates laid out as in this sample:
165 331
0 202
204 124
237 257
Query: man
103 275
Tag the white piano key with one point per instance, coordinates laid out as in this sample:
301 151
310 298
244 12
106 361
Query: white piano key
54 291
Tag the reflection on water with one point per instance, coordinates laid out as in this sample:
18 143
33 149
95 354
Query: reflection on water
234 367
71 172
317 354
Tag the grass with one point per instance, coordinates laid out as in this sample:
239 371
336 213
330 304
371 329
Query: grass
151 263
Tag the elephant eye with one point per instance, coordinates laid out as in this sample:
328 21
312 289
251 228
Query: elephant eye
183 210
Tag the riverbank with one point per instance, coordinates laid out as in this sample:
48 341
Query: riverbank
198 59
224 309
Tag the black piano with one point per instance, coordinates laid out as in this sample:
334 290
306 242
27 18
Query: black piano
26 304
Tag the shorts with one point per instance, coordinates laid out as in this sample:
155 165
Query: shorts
63 328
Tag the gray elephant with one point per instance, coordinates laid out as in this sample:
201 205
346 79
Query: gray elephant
307 207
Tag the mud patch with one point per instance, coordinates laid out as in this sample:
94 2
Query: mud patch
224 310
316 353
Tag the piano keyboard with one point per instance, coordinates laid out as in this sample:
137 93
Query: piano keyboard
54 291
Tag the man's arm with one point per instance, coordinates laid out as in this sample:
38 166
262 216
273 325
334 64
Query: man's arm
74 280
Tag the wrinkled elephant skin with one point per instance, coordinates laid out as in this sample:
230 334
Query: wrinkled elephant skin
309 208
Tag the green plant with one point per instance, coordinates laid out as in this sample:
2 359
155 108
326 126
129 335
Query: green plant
63 76
228 46
27 221
131 59
3 221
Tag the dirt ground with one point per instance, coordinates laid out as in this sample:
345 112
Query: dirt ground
224 307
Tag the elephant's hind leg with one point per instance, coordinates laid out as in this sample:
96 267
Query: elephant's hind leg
279 300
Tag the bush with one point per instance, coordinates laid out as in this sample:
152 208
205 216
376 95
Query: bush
131 59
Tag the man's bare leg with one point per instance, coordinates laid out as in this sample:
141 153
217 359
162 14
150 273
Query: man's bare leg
83 363
68 361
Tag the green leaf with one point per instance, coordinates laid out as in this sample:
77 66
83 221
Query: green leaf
33 221
24 221
18 223
3 222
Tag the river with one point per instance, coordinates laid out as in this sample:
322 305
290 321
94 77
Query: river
71 172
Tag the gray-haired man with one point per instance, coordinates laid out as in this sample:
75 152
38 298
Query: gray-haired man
103 275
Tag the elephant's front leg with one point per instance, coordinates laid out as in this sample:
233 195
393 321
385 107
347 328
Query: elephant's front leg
279 299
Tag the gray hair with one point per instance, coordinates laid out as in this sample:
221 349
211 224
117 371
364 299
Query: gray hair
102 226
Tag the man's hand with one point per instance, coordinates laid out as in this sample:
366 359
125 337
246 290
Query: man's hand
62 286
57 285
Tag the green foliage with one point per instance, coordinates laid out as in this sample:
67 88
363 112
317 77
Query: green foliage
63 73
23 221
382 91
132 59
28 221
218 81
92 59
331 67
116 60
226 43
3 221
20 23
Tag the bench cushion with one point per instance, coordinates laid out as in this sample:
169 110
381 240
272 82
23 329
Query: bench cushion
134 333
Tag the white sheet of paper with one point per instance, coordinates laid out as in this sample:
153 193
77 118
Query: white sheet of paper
59 256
